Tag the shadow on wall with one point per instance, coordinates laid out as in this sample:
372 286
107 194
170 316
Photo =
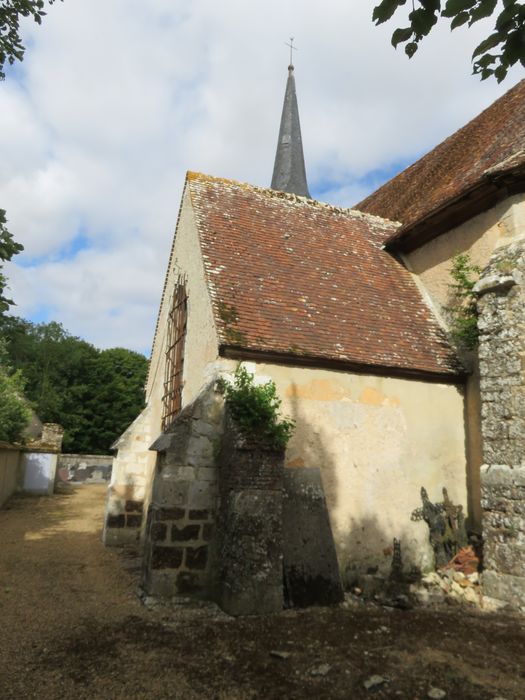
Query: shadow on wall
364 545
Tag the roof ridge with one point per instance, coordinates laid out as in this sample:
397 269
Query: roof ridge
192 175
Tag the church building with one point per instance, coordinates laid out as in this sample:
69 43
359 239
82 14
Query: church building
344 309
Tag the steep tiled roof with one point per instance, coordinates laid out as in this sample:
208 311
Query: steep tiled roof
493 143
292 276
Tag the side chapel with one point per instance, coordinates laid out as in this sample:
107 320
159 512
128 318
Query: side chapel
343 310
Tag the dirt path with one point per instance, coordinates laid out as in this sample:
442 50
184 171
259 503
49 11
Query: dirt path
71 626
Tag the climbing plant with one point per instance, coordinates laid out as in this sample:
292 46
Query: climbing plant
255 408
462 311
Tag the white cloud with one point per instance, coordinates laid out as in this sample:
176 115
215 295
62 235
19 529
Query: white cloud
118 98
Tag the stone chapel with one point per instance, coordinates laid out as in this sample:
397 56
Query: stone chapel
344 310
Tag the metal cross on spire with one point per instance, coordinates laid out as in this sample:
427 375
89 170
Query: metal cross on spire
292 49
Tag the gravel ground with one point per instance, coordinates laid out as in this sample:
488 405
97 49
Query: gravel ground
71 626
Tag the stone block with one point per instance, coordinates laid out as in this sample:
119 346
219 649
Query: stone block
120 537
207 474
199 514
158 532
185 534
166 557
202 496
133 520
116 521
170 513
505 587
200 451
190 582
161 582
170 492
196 557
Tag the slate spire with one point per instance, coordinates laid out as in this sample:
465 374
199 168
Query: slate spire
289 173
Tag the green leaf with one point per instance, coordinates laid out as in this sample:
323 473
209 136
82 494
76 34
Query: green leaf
500 73
505 17
384 11
484 9
401 35
410 49
460 19
454 7
422 21
487 44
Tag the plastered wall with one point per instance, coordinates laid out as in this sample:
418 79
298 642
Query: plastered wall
377 440
201 346
478 237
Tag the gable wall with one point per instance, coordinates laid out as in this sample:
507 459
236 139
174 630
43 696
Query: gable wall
201 346
134 464
377 441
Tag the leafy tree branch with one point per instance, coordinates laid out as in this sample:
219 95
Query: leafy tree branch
499 51
11 11
8 248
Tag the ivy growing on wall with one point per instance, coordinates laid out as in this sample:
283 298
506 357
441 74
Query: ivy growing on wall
255 408
462 311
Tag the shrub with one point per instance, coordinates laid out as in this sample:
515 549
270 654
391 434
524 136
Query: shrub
462 311
255 408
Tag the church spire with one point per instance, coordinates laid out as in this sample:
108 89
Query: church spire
289 173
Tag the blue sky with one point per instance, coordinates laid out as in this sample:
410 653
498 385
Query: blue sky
100 123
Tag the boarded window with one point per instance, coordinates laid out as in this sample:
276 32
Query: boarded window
172 399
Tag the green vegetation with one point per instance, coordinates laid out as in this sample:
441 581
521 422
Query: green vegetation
462 311
255 409
14 412
500 50
8 248
94 394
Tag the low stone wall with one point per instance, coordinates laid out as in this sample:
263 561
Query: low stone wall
10 471
84 468
182 511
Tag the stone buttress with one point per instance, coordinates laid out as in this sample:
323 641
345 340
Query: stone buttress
501 306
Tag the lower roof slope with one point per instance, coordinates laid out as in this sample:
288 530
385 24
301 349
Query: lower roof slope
290 276
492 143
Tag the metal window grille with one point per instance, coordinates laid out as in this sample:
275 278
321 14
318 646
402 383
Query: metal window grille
172 398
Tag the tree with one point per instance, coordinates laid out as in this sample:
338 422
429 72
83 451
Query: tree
14 412
11 48
8 248
500 50
94 394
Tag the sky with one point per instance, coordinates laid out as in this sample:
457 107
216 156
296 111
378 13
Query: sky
117 99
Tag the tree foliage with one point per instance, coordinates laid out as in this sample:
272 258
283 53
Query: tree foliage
255 408
14 412
501 49
11 11
94 394
8 248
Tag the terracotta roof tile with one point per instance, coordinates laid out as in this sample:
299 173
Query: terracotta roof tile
290 275
492 142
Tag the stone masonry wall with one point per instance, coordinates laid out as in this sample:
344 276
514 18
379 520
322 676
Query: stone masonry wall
181 514
127 488
501 307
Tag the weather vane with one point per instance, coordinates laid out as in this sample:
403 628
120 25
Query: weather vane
292 48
